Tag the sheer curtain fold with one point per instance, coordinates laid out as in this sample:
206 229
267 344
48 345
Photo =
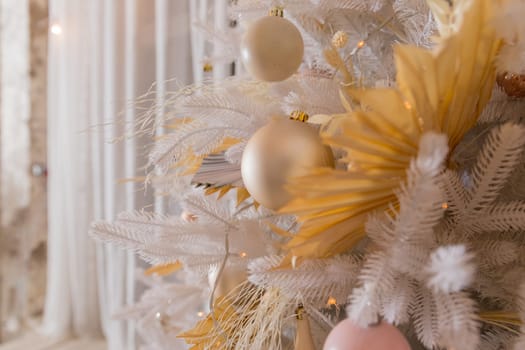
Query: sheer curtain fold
107 55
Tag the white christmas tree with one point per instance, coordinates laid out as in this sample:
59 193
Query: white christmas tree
410 214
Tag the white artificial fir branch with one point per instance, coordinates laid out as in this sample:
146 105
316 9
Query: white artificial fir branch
201 140
314 281
395 308
378 279
417 20
499 156
314 95
407 238
503 217
457 321
495 253
423 312
496 338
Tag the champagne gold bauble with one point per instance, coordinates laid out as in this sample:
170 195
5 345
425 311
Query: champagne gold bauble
279 152
272 49
349 336
512 84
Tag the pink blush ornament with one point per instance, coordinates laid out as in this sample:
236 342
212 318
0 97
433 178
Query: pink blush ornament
349 336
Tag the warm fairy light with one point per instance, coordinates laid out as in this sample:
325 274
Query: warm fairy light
243 254
331 301
200 314
56 29
408 105
360 44
444 205
188 217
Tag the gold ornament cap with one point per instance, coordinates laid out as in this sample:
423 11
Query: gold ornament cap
277 11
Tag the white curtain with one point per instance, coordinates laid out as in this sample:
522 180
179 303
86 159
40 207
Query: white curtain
102 55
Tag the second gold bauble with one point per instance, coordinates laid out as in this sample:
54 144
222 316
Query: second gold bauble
277 153
272 49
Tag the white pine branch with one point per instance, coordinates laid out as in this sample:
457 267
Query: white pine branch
420 203
494 253
495 338
193 137
502 217
314 95
416 19
225 105
455 193
159 239
314 280
395 308
458 321
410 234
423 311
378 281
498 158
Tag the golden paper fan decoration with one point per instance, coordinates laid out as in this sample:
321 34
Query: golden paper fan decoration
213 331
163 270
443 90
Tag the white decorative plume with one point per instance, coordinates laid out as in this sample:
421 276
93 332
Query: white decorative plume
451 269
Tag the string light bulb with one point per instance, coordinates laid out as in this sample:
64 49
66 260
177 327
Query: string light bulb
331 301
56 29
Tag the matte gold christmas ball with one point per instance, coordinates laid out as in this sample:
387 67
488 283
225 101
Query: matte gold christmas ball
349 336
272 49
277 152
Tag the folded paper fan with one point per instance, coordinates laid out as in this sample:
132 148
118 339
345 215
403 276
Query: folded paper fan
443 90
